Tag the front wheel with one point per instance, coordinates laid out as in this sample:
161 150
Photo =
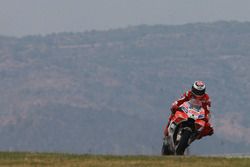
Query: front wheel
183 143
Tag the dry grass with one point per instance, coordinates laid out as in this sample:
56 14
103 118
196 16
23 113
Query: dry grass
67 160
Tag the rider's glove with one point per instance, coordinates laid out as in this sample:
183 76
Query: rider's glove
174 107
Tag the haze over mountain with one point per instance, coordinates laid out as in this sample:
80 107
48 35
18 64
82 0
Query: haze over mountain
26 17
110 91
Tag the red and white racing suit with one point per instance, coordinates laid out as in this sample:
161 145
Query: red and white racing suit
204 102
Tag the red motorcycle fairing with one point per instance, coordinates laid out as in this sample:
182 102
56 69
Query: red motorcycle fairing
199 124
179 117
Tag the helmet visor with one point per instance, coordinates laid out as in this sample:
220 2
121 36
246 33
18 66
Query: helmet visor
197 92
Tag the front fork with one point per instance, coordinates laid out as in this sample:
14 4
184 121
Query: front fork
170 137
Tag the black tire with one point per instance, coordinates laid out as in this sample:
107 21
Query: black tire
165 149
183 143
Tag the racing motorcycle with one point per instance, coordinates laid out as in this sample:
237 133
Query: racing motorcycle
183 129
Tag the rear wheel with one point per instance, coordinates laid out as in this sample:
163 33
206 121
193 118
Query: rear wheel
183 143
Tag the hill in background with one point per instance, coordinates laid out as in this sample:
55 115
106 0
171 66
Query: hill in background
110 91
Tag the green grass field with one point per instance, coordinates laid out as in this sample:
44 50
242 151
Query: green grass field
65 160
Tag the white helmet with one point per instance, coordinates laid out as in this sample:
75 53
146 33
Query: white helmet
198 88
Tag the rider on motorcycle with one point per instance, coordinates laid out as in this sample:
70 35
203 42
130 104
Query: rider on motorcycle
198 95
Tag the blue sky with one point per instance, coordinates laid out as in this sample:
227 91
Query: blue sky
29 17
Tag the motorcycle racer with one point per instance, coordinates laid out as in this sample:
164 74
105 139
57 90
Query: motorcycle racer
198 96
